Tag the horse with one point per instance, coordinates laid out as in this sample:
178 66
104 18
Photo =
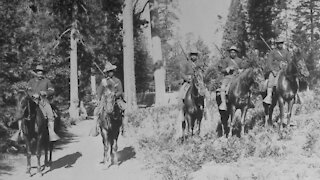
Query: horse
285 90
193 104
34 125
238 97
110 123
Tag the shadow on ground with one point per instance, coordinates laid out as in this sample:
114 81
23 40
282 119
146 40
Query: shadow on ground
5 168
66 161
125 154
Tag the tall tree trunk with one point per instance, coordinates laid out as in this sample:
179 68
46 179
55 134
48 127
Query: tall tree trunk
74 98
160 72
93 82
311 21
128 57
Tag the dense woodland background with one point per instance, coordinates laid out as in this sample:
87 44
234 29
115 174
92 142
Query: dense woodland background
33 32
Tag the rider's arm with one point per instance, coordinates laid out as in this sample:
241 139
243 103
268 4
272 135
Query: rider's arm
50 88
99 91
183 74
119 88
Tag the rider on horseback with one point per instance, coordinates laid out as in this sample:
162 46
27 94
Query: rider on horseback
187 69
116 87
229 67
278 58
39 88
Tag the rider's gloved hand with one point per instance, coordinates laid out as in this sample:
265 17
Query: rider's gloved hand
36 95
43 93
189 78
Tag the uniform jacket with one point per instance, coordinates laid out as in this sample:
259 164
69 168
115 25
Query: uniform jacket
113 83
236 63
35 86
275 58
187 68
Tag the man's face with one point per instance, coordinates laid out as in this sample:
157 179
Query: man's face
39 74
279 45
110 73
193 57
233 54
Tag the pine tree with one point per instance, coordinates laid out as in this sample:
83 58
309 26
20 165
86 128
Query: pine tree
235 28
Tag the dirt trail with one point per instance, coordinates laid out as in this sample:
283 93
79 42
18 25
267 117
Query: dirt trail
79 159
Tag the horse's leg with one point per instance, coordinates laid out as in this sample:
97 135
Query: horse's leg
199 126
39 154
183 130
281 107
50 149
243 116
105 145
28 147
290 105
266 114
46 149
192 121
111 142
231 121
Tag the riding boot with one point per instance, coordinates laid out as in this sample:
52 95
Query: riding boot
95 130
52 135
298 99
17 136
268 98
251 104
180 116
223 105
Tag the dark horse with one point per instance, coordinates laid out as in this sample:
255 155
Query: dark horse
285 89
238 97
194 104
110 123
34 127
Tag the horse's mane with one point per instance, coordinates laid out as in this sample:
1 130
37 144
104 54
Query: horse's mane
245 77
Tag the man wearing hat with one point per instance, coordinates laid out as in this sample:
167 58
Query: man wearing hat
116 86
277 59
186 71
40 88
228 67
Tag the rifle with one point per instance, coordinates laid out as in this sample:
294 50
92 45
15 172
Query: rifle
219 50
265 42
188 58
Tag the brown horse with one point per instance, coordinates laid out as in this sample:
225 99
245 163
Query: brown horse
285 90
239 95
34 126
193 104
110 123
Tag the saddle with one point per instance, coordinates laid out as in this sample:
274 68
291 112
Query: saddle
264 85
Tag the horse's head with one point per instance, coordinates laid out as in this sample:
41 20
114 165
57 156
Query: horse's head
22 103
197 81
254 77
109 100
298 65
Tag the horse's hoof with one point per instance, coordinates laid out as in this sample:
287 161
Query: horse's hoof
39 175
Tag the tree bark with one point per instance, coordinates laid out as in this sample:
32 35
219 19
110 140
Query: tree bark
128 57
159 73
74 98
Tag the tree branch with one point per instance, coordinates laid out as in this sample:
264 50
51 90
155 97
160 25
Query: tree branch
144 7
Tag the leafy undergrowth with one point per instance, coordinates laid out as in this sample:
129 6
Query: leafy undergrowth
261 151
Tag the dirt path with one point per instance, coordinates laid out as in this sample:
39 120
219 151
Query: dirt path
79 159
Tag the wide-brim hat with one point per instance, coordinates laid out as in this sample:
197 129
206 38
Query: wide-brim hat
39 68
109 67
194 51
279 40
233 48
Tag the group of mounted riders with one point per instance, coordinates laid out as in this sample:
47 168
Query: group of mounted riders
40 87
230 68
36 117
